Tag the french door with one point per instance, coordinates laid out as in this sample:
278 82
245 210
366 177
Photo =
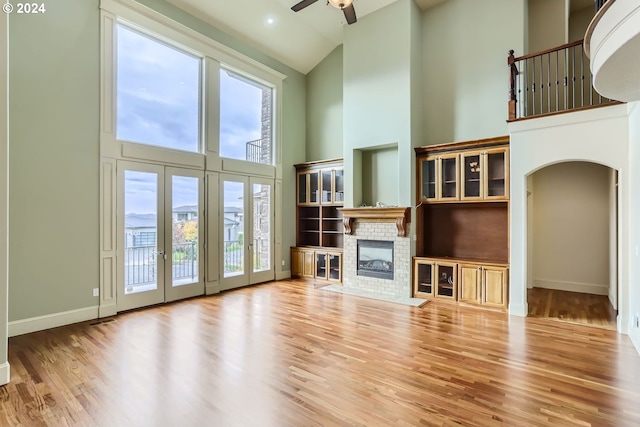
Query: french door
246 227
160 230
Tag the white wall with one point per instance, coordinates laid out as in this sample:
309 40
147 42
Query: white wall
599 136
571 228
633 298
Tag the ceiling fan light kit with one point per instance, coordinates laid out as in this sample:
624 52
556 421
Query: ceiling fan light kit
340 4
345 5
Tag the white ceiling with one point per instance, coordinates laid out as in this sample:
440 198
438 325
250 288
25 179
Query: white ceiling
300 40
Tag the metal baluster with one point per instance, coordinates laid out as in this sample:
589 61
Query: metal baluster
557 81
566 78
573 76
533 86
582 77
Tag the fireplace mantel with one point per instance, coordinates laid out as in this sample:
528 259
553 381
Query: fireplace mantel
400 215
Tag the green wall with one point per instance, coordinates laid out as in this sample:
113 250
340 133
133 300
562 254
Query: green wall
465 75
324 108
54 110
53 143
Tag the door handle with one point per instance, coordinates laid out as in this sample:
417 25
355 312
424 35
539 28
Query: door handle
164 255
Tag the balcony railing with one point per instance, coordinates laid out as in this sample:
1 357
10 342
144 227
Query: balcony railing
141 264
554 81
259 151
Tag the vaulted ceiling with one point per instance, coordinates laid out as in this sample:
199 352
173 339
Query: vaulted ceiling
300 40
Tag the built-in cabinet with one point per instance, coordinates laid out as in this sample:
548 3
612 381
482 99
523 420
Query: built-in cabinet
319 225
462 222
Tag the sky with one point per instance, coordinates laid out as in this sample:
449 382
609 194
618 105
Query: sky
158 98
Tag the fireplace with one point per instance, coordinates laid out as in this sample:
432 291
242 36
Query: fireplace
375 259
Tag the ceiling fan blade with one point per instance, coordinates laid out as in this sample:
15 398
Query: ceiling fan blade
302 5
350 14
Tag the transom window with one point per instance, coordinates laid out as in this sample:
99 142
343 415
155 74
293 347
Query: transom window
245 119
158 92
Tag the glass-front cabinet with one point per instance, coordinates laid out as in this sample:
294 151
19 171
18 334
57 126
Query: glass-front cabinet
439 178
448 177
308 188
423 271
319 222
428 181
329 266
332 186
485 174
497 174
446 279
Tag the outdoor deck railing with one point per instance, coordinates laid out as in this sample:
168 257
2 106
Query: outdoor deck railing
553 81
259 151
141 263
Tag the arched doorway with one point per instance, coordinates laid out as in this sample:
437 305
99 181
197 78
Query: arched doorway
572 243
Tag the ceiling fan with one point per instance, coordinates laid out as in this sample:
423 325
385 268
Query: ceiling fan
345 5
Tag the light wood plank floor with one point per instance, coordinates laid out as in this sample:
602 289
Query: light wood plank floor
574 307
287 354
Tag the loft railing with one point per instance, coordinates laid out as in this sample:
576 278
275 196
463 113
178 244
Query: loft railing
599 4
554 81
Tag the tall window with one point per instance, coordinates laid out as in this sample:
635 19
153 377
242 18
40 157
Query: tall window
158 93
245 119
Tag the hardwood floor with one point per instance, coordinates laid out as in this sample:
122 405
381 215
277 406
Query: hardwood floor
288 354
575 307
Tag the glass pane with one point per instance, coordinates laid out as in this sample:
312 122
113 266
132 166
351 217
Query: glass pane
334 267
261 227
495 174
302 188
449 178
339 188
425 278
327 196
233 228
445 281
140 231
321 265
313 187
428 179
245 119
185 222
472 176
158 93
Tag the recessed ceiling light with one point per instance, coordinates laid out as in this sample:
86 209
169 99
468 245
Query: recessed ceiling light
270 20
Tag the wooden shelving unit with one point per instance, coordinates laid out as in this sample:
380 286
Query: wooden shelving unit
462 248
319 228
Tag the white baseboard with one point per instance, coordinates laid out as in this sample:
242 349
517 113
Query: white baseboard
281 275
585 288
4 373
521 310
634 334
40 323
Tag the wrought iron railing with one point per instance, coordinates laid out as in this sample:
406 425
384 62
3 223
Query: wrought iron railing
599 4
556 80
234 255
141 263
185 260
259 151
